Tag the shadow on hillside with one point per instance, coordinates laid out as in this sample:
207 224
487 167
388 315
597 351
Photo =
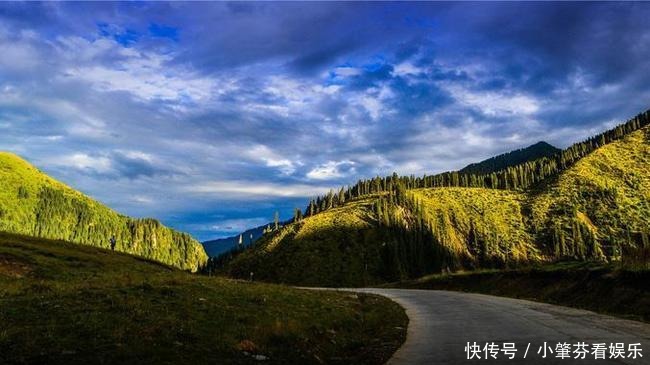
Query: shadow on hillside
343 257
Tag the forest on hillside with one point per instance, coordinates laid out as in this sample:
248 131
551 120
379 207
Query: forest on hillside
33 204
566 207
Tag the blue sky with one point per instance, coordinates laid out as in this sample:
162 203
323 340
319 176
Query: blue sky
211 116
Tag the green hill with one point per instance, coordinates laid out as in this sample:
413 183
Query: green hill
34 204
479 224
589 202
359 244
63 303
601 205
516 157
327 249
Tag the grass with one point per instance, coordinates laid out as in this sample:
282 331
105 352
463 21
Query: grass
62 303
598 287
495 216
609 190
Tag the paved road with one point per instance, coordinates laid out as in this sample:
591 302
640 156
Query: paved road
441 324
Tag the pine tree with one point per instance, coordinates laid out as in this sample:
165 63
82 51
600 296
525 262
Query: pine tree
297 215
312 208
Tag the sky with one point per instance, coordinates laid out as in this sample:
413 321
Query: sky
212 116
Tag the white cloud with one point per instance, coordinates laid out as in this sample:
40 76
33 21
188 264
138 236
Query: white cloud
146 75
147 82
53 138
142 199
76 119
406 68
253 190
332 170
18 56
286 88
82 161
346 71
77 50
137 155
327 90
272 159
492 103
373 101
372 106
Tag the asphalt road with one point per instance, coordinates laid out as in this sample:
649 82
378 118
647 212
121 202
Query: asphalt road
442 323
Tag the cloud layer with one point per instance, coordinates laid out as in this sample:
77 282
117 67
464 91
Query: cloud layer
204 113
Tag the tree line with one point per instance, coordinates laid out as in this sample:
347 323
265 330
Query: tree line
65 216
517 177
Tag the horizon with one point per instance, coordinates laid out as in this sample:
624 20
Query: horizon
211 117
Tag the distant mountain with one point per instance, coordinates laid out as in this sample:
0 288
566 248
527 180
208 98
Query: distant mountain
34 204
516 157
217 247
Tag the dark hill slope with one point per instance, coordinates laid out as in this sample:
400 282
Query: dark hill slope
516 157
34 204
337 247
63 303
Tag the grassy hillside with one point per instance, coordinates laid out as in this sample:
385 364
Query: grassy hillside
34 204
597 209
63 303
601 205
335 247
480 225
357 245
500 162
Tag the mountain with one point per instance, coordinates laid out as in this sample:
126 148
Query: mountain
516 157
591 201
222 245
34 204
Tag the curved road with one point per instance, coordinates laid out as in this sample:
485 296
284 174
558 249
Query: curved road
441 324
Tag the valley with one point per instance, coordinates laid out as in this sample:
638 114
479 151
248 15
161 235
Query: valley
324 182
